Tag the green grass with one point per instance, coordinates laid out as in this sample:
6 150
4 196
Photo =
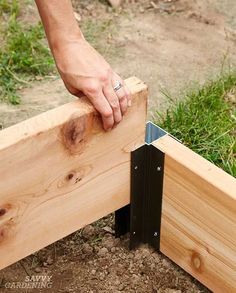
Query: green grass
205 121
23 54
9 6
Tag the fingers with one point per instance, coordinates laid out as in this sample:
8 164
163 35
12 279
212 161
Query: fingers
103 107
128 93
113 100
122 98
123 93
111 104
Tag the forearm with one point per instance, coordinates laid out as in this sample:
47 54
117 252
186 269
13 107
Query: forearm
59 21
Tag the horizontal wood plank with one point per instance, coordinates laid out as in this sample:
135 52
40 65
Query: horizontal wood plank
60 171
198 226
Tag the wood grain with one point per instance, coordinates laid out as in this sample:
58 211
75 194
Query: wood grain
60 171
198 226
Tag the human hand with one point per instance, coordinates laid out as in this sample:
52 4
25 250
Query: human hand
84 70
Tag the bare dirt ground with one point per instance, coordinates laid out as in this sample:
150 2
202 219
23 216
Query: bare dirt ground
171 45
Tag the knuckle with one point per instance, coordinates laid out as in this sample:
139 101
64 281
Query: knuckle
107 114
92 87
118 119
104 77
115 106
72 91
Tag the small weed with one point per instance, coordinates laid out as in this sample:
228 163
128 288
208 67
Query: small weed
205 121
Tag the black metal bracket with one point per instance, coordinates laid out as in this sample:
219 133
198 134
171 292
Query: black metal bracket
142 218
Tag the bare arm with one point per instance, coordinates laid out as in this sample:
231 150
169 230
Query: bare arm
81 67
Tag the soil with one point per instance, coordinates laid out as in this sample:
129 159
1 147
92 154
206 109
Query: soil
172 45
93 260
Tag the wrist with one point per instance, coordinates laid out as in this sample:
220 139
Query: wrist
59 39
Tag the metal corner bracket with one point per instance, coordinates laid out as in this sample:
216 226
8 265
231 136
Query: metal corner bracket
142 218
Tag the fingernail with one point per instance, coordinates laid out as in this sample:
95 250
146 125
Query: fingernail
129 103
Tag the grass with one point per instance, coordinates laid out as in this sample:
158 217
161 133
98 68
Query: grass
9 6
205 121
23 54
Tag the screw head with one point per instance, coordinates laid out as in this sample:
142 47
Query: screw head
134 233
155 234
158 168
136 167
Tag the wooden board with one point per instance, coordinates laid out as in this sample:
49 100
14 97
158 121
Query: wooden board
60 171
198 226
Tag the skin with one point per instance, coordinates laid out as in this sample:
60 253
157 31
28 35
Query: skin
82 68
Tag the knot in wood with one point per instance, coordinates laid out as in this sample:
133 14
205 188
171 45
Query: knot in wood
196 262
74 133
